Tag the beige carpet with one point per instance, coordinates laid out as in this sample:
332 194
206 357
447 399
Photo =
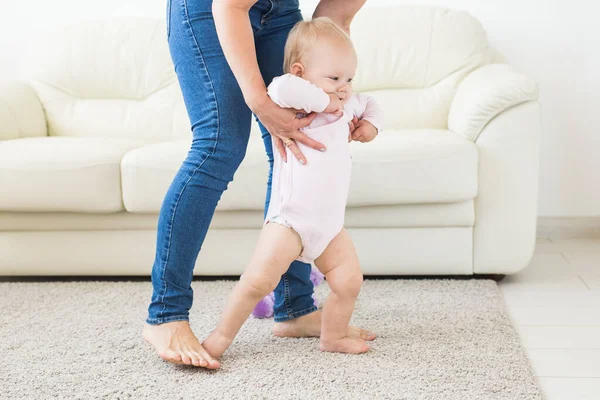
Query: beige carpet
438 339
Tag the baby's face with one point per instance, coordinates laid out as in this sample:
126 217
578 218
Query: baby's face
331 65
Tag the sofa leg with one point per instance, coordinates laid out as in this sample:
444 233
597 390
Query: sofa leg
494 277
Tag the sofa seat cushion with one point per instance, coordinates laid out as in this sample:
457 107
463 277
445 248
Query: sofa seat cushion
62 174
399 167
413 166
147 173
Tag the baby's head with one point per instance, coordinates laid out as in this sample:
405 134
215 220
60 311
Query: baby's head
322 53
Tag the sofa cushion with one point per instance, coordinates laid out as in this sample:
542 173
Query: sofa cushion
413 166
62 174
399 167
110 78
147 173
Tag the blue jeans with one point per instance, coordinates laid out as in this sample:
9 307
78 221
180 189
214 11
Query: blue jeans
220 122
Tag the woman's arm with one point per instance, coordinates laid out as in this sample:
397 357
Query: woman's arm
340 11
235 36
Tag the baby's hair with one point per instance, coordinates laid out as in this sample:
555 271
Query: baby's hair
304 35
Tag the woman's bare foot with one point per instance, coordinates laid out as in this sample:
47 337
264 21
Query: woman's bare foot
310 326
344 345
175 342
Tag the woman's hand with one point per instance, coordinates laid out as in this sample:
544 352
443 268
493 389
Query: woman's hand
282 124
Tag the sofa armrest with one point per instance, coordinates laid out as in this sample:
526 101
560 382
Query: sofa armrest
21 113
486 93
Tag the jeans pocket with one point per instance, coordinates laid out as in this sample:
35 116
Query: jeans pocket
168 18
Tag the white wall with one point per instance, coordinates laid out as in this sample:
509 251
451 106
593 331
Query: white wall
555 42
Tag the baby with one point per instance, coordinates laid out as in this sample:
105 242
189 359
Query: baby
306 212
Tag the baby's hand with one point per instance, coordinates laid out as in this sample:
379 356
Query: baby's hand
361 131
335 105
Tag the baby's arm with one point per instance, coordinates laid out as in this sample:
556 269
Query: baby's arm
290 91
365 107
369 112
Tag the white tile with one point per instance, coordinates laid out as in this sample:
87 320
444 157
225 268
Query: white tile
582 256
592 282
554 316
542 248
545 271
586 245
559 337
585 259
568 363
587 266
557 316
543 240
550 298
570 388
582 241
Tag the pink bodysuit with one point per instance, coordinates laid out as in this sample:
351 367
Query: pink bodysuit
311 199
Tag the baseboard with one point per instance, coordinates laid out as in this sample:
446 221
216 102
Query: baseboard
568 227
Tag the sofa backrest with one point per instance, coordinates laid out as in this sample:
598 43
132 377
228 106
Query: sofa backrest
413 58
115 78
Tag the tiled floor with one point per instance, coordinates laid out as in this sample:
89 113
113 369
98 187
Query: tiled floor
554 304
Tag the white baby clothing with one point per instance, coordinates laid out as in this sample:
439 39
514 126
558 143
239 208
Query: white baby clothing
311 199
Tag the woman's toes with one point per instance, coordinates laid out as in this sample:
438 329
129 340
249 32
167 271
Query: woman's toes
208 361
199 361
195 360
186 359
170 355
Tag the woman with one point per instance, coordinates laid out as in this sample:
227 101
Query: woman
225 53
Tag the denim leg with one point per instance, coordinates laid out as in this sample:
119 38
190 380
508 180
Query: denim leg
293 295
220 122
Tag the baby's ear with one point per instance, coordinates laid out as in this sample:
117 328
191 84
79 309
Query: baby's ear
297 69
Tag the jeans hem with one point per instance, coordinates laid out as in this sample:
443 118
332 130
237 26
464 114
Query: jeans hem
158 321
297 314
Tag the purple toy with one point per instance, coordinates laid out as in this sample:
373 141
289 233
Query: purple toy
264 308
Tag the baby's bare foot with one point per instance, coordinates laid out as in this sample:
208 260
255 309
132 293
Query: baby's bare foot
310 326
344 345
175 342
216 343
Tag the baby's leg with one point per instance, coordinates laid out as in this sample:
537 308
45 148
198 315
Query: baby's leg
339 263
277 247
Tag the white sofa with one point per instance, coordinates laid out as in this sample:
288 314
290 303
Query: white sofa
91 143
